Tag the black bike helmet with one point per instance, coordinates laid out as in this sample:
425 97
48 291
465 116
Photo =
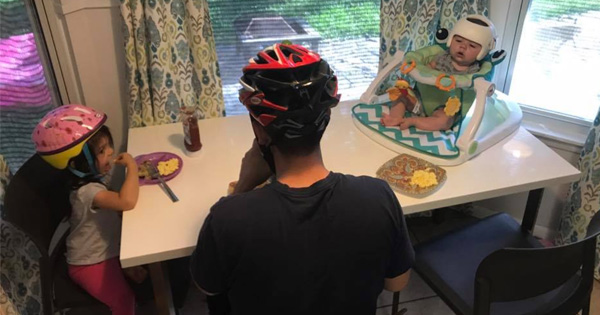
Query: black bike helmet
288 89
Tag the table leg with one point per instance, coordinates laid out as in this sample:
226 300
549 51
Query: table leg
162 288
395 302
531 210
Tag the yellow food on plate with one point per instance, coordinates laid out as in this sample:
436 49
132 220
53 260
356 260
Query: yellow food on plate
423 178
168 167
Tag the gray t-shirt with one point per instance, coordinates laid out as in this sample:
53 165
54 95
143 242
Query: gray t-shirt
95 233
443 63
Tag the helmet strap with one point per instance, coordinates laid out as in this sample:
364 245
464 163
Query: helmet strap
268 156
90 160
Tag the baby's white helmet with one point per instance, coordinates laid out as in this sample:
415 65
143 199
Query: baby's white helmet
471 28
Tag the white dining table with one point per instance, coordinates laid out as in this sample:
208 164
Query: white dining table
158 229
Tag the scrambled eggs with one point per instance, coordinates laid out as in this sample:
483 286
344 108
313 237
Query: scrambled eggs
168 167
423 178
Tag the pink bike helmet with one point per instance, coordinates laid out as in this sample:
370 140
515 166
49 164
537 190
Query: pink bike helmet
63 132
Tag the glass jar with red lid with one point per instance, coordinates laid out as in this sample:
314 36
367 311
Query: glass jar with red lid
191 132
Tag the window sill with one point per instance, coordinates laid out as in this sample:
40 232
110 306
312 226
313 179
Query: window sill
569 131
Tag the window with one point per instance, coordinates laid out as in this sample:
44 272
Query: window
343 32
27 84
557 58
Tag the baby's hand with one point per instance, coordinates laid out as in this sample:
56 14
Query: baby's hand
125 159
389 120
406 123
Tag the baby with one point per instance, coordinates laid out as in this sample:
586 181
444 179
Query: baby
469 42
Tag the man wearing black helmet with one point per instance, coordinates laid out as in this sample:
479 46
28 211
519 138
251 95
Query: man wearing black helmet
312 241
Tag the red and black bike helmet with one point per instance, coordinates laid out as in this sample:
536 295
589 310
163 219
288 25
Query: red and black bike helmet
288 89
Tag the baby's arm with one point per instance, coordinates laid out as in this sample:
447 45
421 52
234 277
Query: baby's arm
126 198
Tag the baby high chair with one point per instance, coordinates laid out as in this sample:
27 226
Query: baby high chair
483 117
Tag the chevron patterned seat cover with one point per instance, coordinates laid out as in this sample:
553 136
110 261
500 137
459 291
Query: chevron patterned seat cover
436 143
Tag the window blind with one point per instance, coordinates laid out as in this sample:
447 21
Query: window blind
558 57
343 32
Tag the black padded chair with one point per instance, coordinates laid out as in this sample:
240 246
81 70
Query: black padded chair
36 201
494 267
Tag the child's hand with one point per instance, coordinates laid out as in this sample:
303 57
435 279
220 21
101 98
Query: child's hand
125 159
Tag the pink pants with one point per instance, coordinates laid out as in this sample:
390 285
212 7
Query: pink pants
105 281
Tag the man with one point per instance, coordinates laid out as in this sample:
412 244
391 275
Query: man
312 241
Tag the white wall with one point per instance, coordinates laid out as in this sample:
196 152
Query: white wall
93 32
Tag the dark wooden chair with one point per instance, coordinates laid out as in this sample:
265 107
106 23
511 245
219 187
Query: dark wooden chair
495 266
36 201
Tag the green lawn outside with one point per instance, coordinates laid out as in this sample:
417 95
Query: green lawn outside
545 9
331 18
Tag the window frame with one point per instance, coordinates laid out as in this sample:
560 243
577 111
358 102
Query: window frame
508 17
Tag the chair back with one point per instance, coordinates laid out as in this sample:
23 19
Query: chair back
513 274
37 199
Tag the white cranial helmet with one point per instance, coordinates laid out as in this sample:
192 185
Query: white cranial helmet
471 28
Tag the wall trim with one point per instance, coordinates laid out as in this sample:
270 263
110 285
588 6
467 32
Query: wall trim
60 52
544 233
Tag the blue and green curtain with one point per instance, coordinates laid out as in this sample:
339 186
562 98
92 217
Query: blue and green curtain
583 200
408 25
21 289
171 60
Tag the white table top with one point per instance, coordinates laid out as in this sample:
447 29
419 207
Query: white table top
158 229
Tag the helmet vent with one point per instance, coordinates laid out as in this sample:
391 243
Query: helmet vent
272 54
477 21
71 118
82 110
260 60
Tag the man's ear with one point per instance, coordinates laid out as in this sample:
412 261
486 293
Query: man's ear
262 137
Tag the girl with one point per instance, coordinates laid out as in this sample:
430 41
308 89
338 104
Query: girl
74 137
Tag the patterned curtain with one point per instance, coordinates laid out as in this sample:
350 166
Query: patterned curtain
408 25
584 195
6 305
19 272
171 60
5 176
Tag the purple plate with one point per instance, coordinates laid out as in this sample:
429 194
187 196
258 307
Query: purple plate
154 158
